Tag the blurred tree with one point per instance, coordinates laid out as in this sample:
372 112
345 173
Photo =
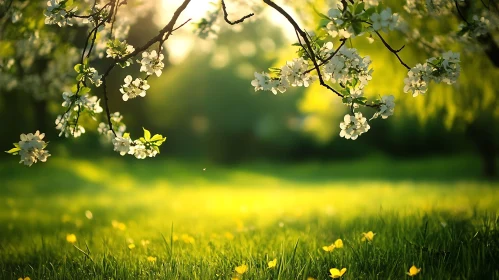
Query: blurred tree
471 106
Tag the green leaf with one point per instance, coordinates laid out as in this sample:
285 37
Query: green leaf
323 23
370 11
13 151
84 90
126 135
78 68
156 148
357 27
360 8
69 3
156 137
16 145
147 134
79 77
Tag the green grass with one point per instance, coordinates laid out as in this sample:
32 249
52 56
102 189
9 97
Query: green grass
202 224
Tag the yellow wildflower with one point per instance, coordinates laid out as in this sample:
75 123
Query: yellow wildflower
131 246
118 225
336 273
311 278
71 238
369 236
145 242
25 278
329 248
187 239
229 235
413 271
241 269
338 243
272 263
152 259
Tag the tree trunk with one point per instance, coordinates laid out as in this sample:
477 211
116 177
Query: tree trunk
482 134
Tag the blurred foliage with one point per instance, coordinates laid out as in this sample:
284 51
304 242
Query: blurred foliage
207 107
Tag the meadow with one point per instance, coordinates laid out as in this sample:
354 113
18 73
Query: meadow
157 219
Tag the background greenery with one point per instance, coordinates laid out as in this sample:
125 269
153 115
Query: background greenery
247 177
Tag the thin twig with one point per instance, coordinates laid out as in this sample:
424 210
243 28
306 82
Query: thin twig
226 16
394 51
459 12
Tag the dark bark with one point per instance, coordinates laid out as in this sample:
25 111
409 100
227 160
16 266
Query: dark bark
481 133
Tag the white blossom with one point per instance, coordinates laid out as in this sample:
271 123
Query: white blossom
385 20
67 128
56 13
293 72
264 82
417 79
122 145
31 148
133 88
348 65
386 108
438 69
353 126
152 63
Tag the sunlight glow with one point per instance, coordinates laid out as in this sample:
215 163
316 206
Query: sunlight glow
185 40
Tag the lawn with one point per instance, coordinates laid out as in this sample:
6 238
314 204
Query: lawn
119 219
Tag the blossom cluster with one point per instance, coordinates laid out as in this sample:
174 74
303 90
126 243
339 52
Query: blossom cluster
31 148
346 66
353 126
384 21
293 73
152 63
338 26
118 126
82 101
117 49
88 73
386 107
477 27
141 148
133 88
439 69
56 13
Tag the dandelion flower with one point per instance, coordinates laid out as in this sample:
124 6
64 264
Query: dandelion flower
338 243
145 242
118 225
311 278
241 269
329 248
131 246
25 278
229 235
71 238
336 273
413 271
369 236
152 259
272 263
187 239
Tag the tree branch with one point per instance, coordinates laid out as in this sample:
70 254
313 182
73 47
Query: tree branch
303 34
